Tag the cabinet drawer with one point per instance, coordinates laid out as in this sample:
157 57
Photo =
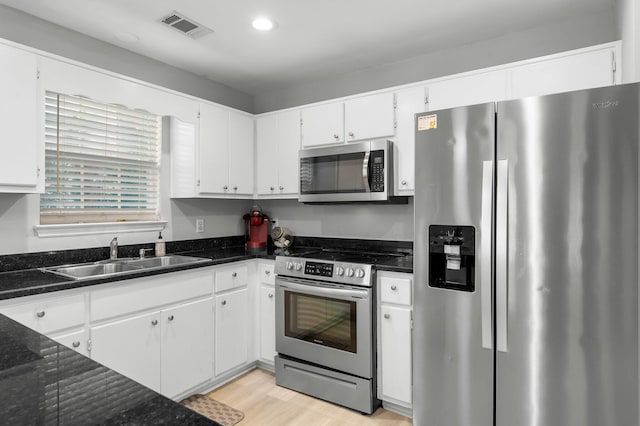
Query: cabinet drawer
265 273
49 315
395 290
231 277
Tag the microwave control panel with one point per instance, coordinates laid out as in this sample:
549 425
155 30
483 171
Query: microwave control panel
377 171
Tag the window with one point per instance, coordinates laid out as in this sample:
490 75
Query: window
102 162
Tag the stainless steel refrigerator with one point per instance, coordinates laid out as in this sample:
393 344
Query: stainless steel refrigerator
526 262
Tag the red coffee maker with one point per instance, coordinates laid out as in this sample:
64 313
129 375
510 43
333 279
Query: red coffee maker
256 229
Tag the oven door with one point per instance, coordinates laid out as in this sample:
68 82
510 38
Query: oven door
326 324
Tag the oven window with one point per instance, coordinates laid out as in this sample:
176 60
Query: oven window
322 320
332 174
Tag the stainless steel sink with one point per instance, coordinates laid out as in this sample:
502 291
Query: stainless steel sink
108 268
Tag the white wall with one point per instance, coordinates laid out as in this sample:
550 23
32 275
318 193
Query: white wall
365 221
566 35
628 24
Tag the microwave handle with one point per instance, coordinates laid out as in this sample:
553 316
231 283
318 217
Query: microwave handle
365 171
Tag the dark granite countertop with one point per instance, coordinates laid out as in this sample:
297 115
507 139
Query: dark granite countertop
43 382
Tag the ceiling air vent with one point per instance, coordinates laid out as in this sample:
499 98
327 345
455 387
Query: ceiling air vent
185 25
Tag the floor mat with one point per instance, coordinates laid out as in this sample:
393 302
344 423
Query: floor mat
213 409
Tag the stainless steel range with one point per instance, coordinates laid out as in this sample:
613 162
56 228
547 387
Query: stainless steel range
325 330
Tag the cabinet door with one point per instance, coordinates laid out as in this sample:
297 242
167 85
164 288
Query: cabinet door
471 89
267 324
395 336
267 154
288 145
21 128
240 154
76 340
575 72
369 117
213 150
408 102
231 325
131 347
322 124
187 346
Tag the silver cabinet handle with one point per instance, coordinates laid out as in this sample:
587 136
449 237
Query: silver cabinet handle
235 274
272 188
351 134
502 230
387 316
224 302
485 257
394 287
336 137
170 318
76 344
267 271
404 182
225 187
154 322
281 188
235 188
270 295
40 314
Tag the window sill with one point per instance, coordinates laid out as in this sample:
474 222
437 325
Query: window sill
73 229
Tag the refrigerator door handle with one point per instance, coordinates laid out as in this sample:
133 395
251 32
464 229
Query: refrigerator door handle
485 254
502 250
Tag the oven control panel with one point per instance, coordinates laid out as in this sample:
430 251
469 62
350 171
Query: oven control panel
334 271
318 268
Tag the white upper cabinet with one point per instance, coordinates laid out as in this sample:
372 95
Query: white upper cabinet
278 142
322 124
369 117
583 69
409 102
222 152
22 159
470 89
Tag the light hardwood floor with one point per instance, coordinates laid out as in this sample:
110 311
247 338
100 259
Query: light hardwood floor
266 404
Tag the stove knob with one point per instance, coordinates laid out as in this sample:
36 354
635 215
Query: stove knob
289 265
360 273
298 266
349 272
340 271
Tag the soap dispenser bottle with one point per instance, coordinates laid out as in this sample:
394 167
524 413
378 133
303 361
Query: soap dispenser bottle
160 247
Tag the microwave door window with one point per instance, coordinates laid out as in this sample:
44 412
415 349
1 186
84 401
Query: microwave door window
332 174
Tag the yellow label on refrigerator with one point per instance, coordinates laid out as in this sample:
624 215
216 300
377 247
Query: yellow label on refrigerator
428 122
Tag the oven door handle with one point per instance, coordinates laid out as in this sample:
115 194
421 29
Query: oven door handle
318 289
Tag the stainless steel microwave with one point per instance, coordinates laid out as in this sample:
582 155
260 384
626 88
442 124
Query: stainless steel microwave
356 172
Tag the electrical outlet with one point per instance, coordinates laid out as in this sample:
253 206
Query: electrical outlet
200 225
274 222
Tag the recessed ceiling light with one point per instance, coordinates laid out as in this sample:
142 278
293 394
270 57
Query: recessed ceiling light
263 24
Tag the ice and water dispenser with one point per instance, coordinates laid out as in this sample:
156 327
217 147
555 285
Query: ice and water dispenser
452 257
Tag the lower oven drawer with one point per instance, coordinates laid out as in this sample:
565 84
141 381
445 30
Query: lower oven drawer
343 389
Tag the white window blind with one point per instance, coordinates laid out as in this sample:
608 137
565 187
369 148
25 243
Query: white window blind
102 162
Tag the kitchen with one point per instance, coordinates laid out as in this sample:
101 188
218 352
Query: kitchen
20 213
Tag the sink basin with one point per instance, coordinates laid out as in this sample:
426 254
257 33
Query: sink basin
161 261
122 266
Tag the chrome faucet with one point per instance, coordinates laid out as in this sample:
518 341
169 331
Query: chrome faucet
113 248
142 252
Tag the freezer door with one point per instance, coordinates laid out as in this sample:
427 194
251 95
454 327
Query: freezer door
567 259
452 356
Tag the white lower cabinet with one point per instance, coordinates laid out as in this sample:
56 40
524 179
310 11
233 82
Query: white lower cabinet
394 339
267 324
76 340
232 321
131 347
187 346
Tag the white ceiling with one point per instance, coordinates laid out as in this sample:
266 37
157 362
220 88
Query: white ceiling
314 39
